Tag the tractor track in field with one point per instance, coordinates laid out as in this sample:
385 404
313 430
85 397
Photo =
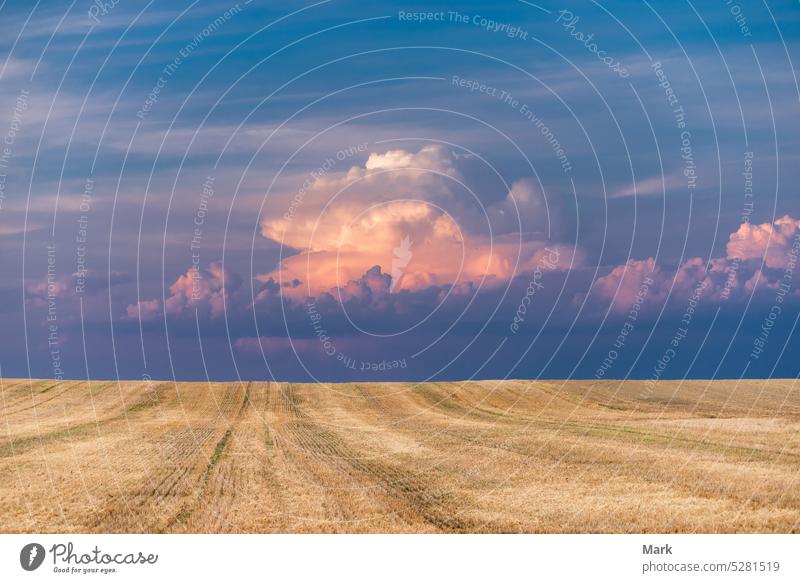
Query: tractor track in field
68 385
185 513
435 506
175 455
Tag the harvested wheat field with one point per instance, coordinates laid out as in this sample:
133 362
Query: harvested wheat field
511 456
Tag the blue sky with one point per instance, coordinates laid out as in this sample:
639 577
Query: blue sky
395 191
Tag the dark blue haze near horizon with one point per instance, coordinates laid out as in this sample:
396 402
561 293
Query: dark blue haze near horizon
387 191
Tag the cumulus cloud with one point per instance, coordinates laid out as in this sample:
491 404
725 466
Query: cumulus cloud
56 287
738 274
774 242
646 282
345 223
432 157
202 290
144 310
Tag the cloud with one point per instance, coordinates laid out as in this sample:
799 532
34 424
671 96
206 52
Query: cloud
629 282
776 243
344 223
38 292
90 282
431 157
645 283
738 274
201 290
144 310
652 186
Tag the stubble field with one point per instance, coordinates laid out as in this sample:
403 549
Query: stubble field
511 456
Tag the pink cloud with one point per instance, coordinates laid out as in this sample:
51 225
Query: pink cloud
775 242
197 289
721 278
144 310
345 223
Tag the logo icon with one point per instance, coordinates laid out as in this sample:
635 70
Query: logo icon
402 255
31 556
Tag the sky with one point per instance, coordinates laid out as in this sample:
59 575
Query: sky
391 191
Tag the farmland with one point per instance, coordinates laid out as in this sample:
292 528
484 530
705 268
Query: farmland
483 456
